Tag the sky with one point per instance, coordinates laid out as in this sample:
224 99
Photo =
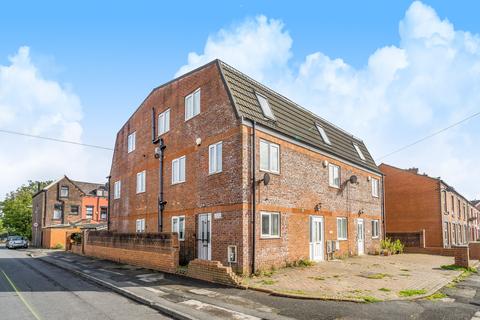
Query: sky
389 72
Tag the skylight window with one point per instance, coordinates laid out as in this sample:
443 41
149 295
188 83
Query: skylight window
267 111
323 134
360 153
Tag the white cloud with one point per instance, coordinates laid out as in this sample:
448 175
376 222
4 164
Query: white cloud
33 105
405 91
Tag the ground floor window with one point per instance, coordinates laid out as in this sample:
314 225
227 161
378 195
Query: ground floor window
445 234
341 228
103 213
270 224
140 225
178 225
89 212
375 229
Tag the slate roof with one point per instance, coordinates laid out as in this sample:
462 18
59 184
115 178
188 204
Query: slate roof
88 187
291 119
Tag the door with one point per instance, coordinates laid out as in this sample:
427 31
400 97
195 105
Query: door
204 238
317 242
360 237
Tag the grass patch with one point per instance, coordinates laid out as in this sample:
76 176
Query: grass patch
406 270
336 276
385 289
458 268
377 276
411 292
370 299
405 274
268 282
437 295
317 278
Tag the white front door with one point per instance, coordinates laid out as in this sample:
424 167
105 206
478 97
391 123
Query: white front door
317 242
204 237
360 237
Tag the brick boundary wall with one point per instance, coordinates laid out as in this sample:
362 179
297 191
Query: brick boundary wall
447 252
474 248
409 239
462 257
212 271
76 248
157 251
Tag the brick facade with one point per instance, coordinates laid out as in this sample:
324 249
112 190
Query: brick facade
298 192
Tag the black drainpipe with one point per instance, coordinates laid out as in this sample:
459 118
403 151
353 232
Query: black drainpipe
159 152
109 207
254 197
383 209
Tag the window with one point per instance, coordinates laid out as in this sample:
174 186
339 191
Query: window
164 122
270 224
89 212
192 105
178 225
140 225
57 211
103 213
74 210
458 207
178 170
445 234
464 211
360 153
141 181
131 142
453 205
341 228
117 188
323 134
232 254
333 175
375 187
444 196
267 111
375 229
269 156
215 158
64 192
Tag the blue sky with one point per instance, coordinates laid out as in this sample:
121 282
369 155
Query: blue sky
105 57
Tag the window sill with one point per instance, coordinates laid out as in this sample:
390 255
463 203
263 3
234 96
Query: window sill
191 117
345 239
277 173
179 182
377 237
163 133
334 187
140 192
269 237
214 173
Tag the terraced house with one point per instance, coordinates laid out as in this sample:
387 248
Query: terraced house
243 175
426 211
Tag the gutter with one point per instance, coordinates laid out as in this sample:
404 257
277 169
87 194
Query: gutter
109 207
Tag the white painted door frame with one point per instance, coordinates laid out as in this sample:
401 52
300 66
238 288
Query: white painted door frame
204 236
360 236
317 238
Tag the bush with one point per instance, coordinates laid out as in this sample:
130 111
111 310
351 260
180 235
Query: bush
76 238
392 247
58 246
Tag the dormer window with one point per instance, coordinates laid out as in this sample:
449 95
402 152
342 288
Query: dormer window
360 153
267 111
323 134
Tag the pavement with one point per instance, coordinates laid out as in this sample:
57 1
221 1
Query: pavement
187 298
361 278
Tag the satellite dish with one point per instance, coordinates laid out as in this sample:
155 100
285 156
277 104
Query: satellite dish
353 179
266 179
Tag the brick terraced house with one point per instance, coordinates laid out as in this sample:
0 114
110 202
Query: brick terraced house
415 202
66 205
243 175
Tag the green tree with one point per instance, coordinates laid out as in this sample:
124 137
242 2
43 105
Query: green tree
17 209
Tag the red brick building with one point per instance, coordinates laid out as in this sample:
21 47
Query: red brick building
65 204
415 202
244 175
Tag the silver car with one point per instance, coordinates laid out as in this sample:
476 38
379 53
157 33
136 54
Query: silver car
17 242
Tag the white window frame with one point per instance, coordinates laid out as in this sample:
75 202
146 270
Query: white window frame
176 163
375 229
141 181
375 187
86 212
265 105
140 225
62 195
194 98
323 134
215 158
59 211
270 234
339 228
234 249
131 141
117 189
331 175
359 152
181 236
270 159
164 122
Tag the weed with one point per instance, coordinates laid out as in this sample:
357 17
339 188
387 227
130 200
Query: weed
385 289
458 268
58 246
268 282
298 292
406 270
411 292
370 299
437 295
392 246
317 278
377 276
405 274
299 263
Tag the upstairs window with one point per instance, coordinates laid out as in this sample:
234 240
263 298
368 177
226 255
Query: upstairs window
178 226
89 212
215 158
267 111
323 134
164 122
333 175
178 170
375 184
57 211
117 188
103 213
131 142
74 210
269 156
192 105
452 204
360 153
64 192
141 176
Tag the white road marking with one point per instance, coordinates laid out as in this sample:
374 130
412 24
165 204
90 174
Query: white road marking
150 277
113 272
198 305
204 292
160 292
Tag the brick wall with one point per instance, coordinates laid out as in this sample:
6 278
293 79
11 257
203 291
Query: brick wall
474 250
77 249
409 239
157 251
462 257
56 236
212 271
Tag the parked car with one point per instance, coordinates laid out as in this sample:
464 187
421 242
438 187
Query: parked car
17 242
